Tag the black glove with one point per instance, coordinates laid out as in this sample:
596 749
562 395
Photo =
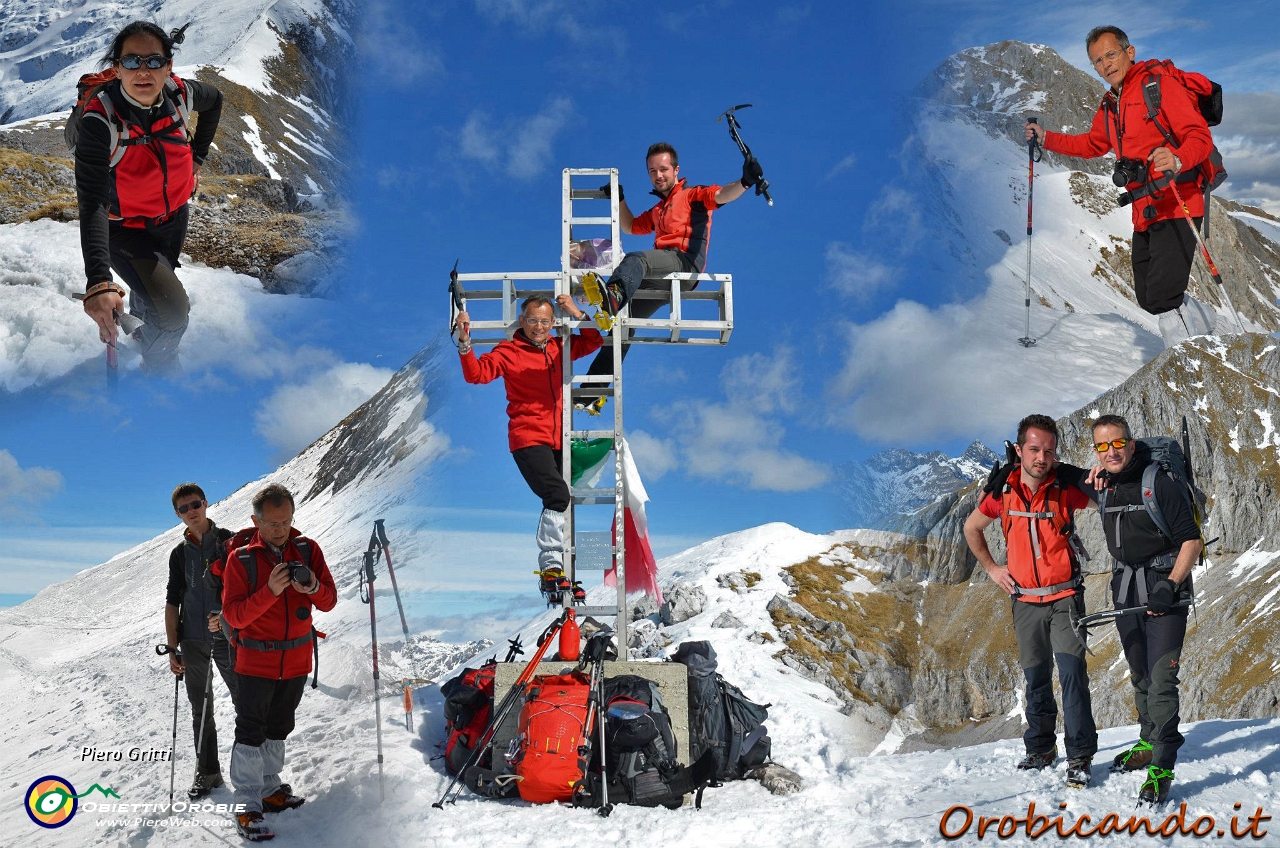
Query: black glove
998 477
1162 597
609 193
752 173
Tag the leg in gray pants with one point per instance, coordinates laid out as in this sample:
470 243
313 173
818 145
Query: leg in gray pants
644 269
1044 635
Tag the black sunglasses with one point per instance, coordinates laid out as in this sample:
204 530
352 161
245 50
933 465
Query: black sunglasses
182 510
133 61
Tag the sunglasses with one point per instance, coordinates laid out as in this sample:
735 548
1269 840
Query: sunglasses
133 61
1118 444
187 507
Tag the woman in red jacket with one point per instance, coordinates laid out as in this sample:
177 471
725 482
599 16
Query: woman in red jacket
530 367
135 172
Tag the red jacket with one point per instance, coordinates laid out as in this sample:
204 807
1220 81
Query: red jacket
154 179
532 379
682 221
259 615
1123 120
1055 563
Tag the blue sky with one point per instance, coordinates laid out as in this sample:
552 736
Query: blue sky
469 110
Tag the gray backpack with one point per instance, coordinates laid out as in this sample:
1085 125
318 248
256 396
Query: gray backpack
721 719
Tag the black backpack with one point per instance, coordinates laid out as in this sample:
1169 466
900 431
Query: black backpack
721 719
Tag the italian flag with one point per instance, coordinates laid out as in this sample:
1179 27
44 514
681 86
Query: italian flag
590 459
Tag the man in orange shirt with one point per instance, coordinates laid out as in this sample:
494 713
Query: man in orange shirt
681 224
1037 509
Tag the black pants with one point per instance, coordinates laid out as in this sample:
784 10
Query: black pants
1162 257
644 269
265 708
540 467
199 656
145 259
1152 646
1045 635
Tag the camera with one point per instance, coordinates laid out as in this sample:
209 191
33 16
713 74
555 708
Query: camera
1129 171
299 573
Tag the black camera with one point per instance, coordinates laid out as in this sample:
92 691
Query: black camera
299 573
1129 171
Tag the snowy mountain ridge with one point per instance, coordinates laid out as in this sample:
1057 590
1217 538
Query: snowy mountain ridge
880 492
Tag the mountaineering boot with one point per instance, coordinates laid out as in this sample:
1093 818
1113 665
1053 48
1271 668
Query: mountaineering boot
1136 758
1038 761
1155 789
1079 772
282 799
579 593
252 828
203 785
596 292
549 580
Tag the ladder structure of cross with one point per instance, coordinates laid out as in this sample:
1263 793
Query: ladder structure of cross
501 293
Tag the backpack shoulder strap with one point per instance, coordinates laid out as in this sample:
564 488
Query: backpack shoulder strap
303 544
250 563
1151 97
1150 501
115 124
180 94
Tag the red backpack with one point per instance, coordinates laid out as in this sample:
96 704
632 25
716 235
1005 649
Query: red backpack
552 748
93 86
1208 96
468 706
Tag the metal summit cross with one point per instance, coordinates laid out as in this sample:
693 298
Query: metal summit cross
596 550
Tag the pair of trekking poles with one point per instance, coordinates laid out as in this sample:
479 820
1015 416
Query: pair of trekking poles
595 655
1035 154
164 650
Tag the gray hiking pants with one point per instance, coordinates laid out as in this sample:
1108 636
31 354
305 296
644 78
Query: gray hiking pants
644 269
1044 635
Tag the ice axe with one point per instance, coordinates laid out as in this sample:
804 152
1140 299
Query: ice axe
458 300
762 187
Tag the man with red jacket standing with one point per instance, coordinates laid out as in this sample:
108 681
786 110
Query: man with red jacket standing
1177 141
530 365
1036 509
270 587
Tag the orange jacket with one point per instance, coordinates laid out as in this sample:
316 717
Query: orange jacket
1039 554
682 221
1121 124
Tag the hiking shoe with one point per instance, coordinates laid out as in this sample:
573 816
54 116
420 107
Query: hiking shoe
1135 759
1038 761
1079 772
1155 789
252 828
203 785
282 799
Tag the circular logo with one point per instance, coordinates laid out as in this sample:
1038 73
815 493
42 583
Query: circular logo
51 801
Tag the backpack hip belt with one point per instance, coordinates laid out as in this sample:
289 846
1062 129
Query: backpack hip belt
256 645
1073 583
1161 564
1191 175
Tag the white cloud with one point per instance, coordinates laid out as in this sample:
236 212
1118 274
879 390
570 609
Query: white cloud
857 274
519 147
411 63
574 20
845 164
531 149
654 456
297 414
22 488
739 441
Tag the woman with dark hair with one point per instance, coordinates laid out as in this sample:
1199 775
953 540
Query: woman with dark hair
136 169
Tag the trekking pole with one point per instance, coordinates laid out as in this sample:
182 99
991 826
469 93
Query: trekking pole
204 711
366 595
1213 269
162 650
762 187
513 696
1034 155
596 651
381 533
